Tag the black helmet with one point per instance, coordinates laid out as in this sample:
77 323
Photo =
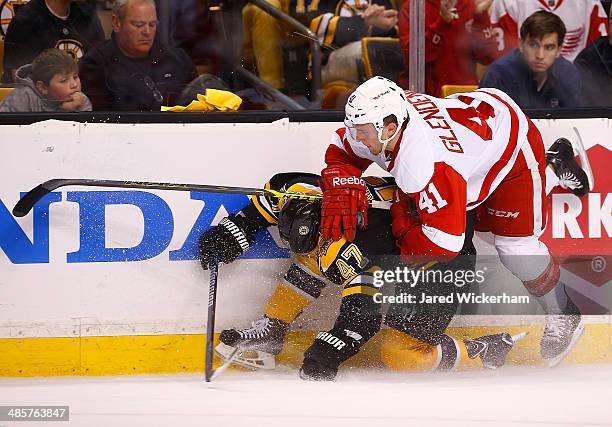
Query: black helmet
298 224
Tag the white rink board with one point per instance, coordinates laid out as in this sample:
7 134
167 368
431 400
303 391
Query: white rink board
156 295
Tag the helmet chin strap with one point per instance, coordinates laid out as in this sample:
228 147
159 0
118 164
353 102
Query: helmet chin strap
385 142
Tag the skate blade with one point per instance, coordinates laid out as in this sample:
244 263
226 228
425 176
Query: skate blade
584 159
518 337
252 359
551 363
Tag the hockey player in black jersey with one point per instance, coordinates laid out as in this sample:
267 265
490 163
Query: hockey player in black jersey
416 338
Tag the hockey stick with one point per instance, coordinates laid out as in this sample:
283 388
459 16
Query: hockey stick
226 364
584 159
25 204
210 323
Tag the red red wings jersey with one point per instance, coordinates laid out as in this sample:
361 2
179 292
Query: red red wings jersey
585 21
452 155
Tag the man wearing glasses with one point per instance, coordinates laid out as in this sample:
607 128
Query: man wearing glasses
133 71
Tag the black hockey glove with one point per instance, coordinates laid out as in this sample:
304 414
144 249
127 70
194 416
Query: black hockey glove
359 320
312 370
224 242
328 351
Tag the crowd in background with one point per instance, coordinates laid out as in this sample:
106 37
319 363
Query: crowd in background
139 55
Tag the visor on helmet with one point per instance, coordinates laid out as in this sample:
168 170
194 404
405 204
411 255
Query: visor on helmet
298 224
360 131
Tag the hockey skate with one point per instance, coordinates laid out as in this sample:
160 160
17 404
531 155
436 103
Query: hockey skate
560 156
492 349
257 345
561 333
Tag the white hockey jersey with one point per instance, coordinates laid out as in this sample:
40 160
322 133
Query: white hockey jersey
452 155
585 21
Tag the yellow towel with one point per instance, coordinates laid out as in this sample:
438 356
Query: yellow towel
214 100
221 99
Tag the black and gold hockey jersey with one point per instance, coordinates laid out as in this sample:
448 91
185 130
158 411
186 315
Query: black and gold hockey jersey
418 330
337 22
348 264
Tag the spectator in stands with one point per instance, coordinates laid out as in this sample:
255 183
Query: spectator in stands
595 66
262 44
340 26
41 24
133 71
585 21
50 83
535 75
457 36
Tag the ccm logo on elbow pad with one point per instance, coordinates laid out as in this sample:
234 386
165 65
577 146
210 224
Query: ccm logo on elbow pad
351 180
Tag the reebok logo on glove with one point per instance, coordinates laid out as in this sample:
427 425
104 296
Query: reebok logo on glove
350 180
344 196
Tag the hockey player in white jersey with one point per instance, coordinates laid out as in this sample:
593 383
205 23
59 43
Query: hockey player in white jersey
585 21
472 151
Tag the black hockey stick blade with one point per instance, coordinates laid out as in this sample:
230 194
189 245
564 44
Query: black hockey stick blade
210 323
25 204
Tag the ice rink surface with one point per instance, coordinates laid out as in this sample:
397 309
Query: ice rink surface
513 396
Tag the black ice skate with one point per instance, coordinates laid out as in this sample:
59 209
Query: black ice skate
257 345
561 333
492 349
560 156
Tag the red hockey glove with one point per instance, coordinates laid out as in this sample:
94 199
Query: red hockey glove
344 196
403 216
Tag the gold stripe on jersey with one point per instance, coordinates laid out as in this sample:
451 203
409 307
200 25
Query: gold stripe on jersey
366 290
324 26
263 206
364 278
339 7
362 283
331 31
264 211
316 23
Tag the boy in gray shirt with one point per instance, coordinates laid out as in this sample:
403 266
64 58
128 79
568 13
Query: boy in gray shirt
50 83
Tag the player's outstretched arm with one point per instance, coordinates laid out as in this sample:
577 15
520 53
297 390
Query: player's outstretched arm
225 242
